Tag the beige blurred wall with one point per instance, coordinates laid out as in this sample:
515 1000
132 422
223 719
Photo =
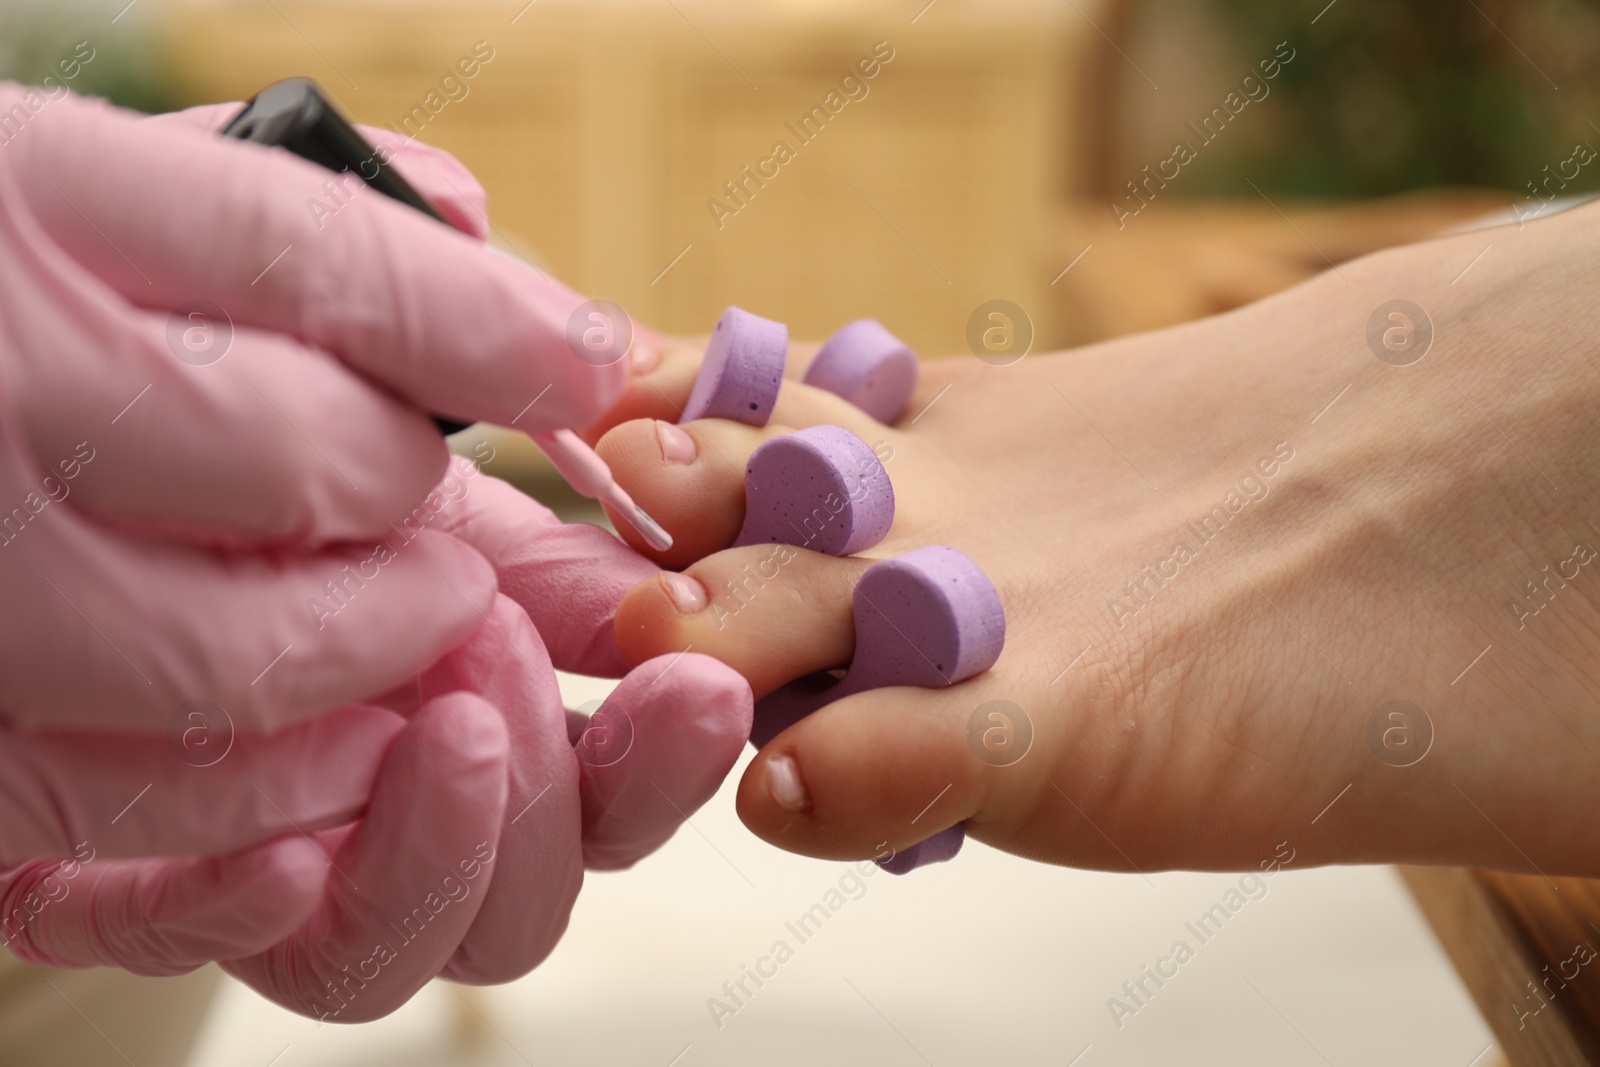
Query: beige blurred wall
602 130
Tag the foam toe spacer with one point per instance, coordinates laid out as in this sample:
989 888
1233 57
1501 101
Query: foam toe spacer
929 618
940 847
822 488
742 371
868 366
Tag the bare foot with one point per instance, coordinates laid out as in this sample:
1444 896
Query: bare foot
1224 549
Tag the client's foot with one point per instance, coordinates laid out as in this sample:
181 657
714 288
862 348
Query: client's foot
1262 584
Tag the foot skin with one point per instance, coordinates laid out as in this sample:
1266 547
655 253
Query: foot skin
1223 549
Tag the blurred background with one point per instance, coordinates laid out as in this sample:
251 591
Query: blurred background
1106 165
986 155
1021 150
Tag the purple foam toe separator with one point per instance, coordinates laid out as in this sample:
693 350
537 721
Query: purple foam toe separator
823 488
929 618
868 366
940 847
742 371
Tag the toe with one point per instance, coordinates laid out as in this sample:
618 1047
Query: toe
883 770
771 612
663 392
689 478
658 394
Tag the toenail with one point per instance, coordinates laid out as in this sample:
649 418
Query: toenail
676 445
687 594
646 358
783 782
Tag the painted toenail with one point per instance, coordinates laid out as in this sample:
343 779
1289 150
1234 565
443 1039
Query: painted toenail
646 358
687 594
783 782
676 445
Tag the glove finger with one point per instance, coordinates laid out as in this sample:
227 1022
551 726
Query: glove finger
439 176
203 789
421 308
407 883
224 621
568 577
539 859
202 118
687 718
147 627
263 441
160 917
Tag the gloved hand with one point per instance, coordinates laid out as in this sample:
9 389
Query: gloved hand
71 792
487 807
165 523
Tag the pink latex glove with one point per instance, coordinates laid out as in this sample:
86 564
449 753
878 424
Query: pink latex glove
486 810
71 791
124 468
